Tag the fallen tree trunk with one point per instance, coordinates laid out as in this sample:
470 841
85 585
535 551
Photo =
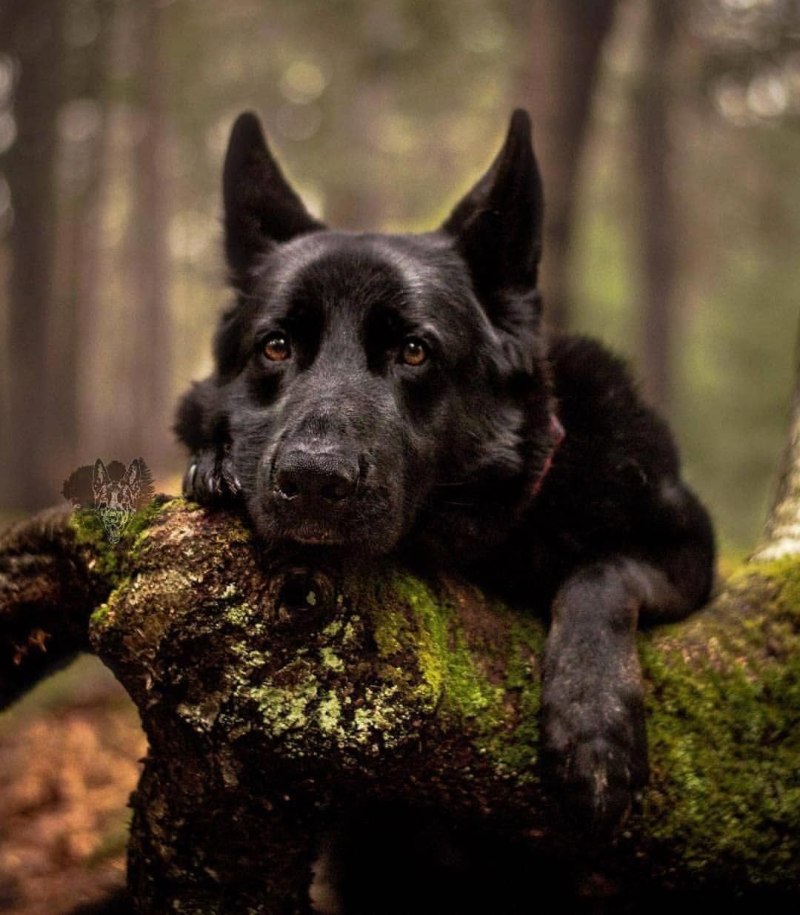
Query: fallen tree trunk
280 689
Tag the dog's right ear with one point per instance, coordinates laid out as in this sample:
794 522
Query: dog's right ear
261 208
498 225
133 475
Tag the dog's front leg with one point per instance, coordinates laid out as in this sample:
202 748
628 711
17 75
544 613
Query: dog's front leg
210 477
593 730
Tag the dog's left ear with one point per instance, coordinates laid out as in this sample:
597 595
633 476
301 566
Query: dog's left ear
498 225
100 477
261 208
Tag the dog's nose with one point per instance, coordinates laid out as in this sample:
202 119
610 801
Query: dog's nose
322 477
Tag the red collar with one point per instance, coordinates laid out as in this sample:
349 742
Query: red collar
557 436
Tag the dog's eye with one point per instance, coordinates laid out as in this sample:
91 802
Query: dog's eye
414 351
276 348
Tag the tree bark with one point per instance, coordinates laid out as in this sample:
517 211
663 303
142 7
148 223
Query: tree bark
277 689
557 82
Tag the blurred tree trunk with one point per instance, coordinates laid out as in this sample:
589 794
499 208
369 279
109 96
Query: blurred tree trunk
33 33
658 235
150 384
83 180
565 40
781 535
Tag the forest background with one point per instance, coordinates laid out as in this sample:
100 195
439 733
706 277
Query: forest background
667 130
669 137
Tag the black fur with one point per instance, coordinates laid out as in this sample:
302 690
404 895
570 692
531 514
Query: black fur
336 439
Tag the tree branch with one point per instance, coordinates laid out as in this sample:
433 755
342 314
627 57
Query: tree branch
50 581
278 689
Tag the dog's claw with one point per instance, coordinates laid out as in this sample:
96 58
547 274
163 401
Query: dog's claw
229 477
211 479
189 478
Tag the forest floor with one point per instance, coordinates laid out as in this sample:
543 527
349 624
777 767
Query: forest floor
68 761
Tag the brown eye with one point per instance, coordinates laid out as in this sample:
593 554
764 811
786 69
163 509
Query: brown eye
276 348
414 352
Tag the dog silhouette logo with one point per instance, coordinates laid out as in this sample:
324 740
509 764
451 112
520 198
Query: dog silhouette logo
115 500
113 491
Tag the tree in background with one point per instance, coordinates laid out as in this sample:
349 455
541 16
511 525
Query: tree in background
83 124
659 219
151 371
32 35
559 70
736 114
89 316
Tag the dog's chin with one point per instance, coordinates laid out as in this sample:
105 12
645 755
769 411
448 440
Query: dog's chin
361 540
323 538
315 535
349 544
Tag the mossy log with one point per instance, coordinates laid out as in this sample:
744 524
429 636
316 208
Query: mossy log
277 689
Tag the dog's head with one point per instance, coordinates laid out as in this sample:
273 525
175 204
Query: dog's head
373 387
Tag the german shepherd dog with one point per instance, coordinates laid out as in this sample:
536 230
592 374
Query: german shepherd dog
397 393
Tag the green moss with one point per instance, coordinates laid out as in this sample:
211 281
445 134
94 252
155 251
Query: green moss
90 533
725 737
110 560
99 615
523 678
781 577
456 672
343 631
309 718
397 633
432 633
428 666
143 519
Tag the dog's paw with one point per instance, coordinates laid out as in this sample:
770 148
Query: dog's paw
211 478
594 753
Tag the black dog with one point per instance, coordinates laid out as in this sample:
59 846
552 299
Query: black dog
397 393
